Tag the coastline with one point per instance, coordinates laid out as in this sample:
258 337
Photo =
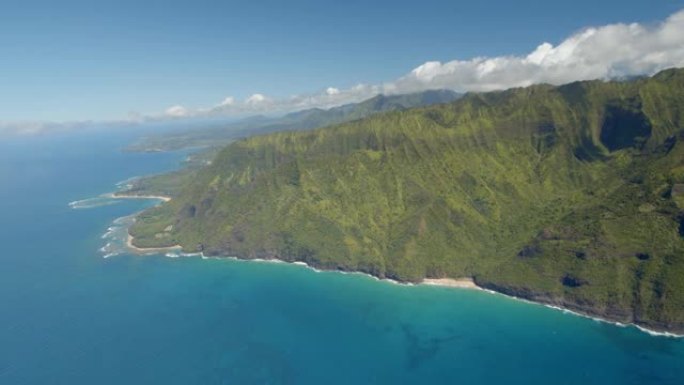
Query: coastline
454 283
578 313
458 283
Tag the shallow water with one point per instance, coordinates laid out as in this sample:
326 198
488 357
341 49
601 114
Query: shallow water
70 316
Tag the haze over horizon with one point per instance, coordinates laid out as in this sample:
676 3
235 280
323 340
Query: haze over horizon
105 64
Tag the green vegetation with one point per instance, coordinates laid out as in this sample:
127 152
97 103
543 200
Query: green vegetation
221 134
569 195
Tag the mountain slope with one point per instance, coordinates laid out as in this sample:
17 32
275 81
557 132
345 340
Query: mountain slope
567 195
217 134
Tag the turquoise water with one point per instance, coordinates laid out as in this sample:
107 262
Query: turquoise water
70 316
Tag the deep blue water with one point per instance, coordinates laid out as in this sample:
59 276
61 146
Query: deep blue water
70 316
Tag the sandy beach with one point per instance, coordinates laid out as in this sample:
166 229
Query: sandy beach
463 283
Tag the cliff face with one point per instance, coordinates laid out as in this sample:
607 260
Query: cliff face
567 195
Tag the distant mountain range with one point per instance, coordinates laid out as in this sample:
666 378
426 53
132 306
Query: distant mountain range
216 134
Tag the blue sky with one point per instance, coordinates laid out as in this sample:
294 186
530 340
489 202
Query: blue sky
102 60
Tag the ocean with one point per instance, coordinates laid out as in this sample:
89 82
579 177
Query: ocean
68 315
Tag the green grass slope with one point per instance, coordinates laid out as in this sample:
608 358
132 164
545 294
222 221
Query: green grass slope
569 195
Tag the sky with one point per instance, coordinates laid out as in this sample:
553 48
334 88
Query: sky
70 61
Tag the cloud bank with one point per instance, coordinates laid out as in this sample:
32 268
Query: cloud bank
610 51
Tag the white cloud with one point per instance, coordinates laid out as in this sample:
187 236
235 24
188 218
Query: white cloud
609 51
229 101
255 99
177 112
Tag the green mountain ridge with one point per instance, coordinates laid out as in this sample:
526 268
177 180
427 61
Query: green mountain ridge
570 195
221 134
